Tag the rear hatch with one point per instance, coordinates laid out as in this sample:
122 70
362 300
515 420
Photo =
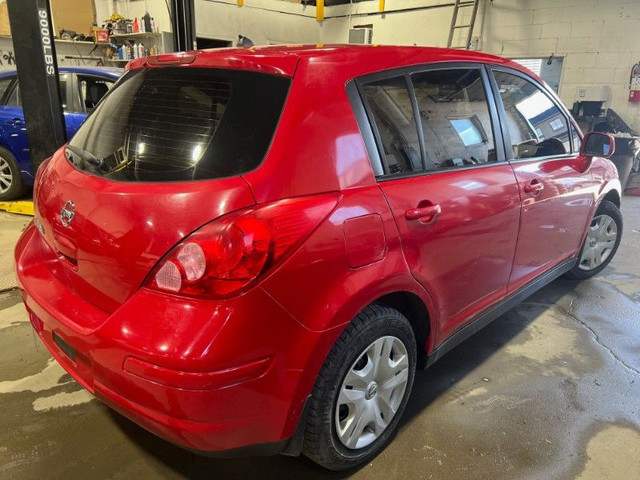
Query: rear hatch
161 155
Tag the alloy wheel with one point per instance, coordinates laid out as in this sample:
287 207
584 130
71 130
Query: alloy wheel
371 392
6 177
600 242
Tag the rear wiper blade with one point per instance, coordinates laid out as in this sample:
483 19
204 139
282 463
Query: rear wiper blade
86 156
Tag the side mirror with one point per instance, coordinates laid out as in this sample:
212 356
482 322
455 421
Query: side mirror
597 144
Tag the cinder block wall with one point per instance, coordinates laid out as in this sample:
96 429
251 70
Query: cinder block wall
599 40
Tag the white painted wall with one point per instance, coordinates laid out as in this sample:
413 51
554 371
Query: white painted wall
104 9
67 53
405 22
429 26
137 8
263 21
134 8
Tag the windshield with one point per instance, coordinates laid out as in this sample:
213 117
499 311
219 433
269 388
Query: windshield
179 124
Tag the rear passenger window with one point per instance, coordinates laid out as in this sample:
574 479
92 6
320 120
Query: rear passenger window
15 98
455 118
390 105
537 127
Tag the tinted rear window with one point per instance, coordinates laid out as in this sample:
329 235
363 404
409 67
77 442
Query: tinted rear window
177 124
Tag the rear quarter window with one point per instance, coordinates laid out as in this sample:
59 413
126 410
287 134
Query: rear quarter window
180 124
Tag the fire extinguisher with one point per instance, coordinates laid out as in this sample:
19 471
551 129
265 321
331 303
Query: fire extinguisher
634 84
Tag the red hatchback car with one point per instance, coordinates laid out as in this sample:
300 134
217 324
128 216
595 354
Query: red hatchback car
252 250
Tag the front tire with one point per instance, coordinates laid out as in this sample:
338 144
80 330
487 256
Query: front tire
361 390
601 244
11 184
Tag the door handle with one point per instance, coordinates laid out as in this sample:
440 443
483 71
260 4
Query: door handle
425 215
534 187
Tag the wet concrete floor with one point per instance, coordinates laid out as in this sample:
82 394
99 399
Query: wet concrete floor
551 390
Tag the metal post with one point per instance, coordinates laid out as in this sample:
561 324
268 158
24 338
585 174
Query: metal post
184 25
37 64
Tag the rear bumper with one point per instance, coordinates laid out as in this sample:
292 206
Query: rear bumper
208 376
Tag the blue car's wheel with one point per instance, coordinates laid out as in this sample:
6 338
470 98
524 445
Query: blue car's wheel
11 185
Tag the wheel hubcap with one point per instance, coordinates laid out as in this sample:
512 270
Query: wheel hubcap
6 177
372 389
601 239
371 392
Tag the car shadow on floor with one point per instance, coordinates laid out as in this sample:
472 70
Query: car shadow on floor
466 357
429 385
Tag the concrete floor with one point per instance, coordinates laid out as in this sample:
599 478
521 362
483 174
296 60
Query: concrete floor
11 227
551 390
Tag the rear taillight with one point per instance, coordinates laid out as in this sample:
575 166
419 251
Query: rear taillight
227 255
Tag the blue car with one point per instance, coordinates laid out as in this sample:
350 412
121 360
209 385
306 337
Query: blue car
81 90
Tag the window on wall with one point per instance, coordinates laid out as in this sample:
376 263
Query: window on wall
548 68
202 43
455 118
392 111
469 129
533 64
537 127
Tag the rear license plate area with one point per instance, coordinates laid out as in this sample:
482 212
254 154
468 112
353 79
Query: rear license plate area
65 347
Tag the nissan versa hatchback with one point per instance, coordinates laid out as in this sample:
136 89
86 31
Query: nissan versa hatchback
253 250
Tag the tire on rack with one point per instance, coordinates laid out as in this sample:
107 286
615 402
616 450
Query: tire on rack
11 184
601 243
361 390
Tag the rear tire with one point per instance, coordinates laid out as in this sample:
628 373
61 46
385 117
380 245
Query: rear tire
11 184
361 391
601 244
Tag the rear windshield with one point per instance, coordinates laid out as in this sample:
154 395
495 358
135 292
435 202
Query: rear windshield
177 124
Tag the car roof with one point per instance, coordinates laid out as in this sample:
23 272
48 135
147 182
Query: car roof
111 72
108 71
358 59
336 50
